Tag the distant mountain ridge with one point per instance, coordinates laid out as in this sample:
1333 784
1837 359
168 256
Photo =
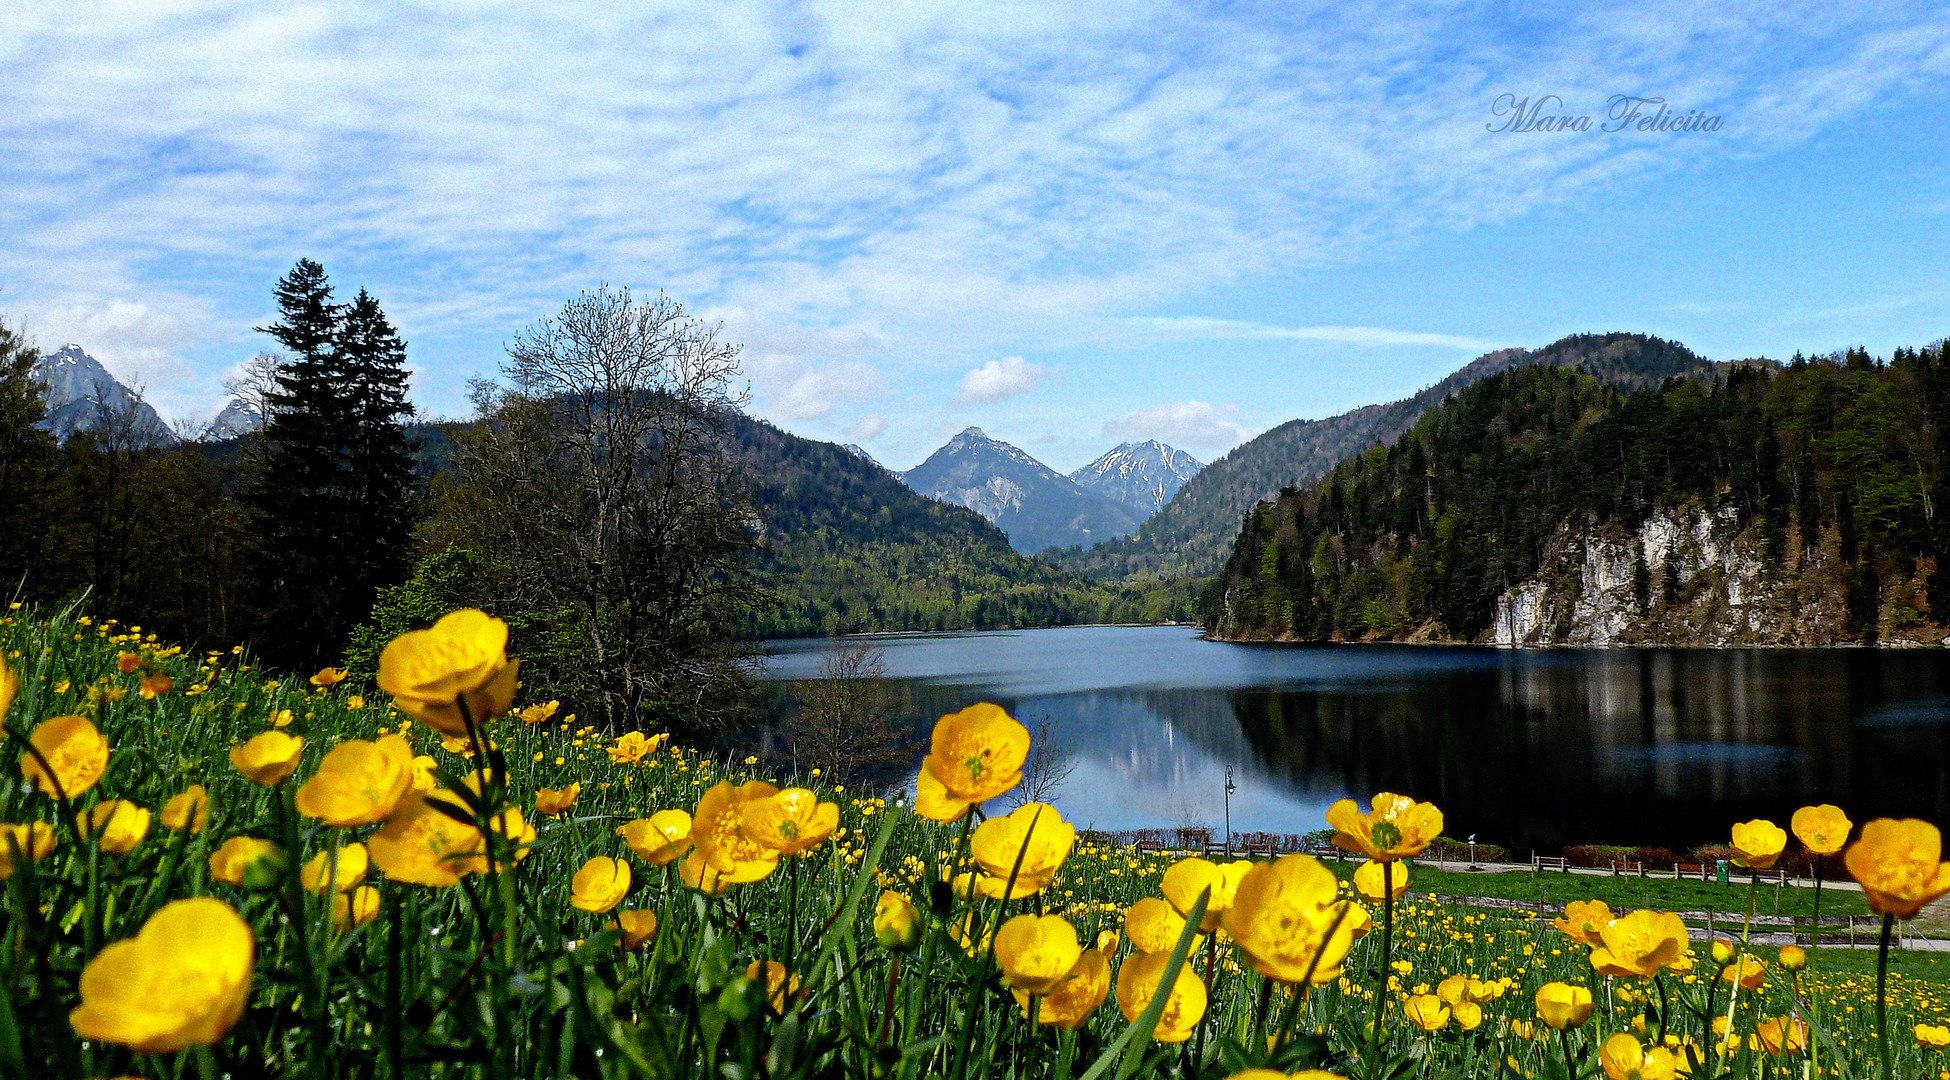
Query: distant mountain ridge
1141 475
83 396
1036 506
1194 532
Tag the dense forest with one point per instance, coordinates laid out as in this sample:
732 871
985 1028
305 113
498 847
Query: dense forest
845 547
1839 456
1192 535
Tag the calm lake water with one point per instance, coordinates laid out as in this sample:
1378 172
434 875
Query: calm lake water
1525 748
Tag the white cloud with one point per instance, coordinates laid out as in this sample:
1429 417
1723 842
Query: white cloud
867 427
998 380
811 393
996 175
1185 424
1200 327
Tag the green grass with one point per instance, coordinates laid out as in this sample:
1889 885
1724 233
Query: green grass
1625 893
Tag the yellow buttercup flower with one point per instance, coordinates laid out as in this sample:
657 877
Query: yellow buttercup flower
74 749
460 661
1080 993
696 873
1153 925
354 908
1186 878
1935 1036
974 755
247 862
1758 843
1639 944
1782 1035
330 676
189 808
637 926
1793 957
537 714
155 684
1397 827
1583 920
268 757
1031 842
423 846
555 802
1281 917
1138 981
1468 1015
1562 1005
358 782
779 984
33 841
660 838
1036 952
1897 863
119 824
633 746
1748 971
718 833
600 885
793 822
1624 1059
350 869
9 689
1426 1011
1822 829
180 982
426 775
897 924
1371 878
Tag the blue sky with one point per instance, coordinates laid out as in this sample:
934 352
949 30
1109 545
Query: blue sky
1070 224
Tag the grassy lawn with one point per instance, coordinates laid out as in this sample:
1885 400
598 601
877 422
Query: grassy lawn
1626 893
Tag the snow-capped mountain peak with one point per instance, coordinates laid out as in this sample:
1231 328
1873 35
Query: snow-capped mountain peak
83 396
1141 475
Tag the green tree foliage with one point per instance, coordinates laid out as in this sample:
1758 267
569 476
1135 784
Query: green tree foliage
1424 535
26 460
332 487
1192 535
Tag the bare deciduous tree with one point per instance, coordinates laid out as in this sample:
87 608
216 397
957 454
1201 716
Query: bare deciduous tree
601 490
845 724
1049 766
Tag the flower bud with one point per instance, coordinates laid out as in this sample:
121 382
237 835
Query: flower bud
1722 951
896 923
1793 957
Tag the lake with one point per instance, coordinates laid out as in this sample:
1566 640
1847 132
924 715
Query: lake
1527 748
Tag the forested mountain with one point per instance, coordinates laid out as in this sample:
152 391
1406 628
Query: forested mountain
1193 533
847 547
1141 475
1762 504
1034 504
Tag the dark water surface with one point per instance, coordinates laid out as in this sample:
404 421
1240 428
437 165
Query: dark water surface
1525 748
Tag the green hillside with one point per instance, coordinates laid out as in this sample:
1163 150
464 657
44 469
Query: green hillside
1193 534
1835 463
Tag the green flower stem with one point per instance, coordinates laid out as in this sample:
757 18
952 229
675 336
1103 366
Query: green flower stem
1381 985
1882 995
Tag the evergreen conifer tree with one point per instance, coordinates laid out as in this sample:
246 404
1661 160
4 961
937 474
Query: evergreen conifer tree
334 489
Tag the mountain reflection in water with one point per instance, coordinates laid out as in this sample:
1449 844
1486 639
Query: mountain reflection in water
1525 748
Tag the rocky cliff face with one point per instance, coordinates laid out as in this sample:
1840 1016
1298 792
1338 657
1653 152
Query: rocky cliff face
1695 577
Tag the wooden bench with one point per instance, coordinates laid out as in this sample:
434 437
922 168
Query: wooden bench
1626 866
1685 870
1548 862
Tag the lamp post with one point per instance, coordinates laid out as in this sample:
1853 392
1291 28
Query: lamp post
1472 849
1230 788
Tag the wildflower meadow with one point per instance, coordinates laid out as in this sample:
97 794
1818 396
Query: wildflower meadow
212 870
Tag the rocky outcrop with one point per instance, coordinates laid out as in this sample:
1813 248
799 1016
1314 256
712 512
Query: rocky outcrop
1691 576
